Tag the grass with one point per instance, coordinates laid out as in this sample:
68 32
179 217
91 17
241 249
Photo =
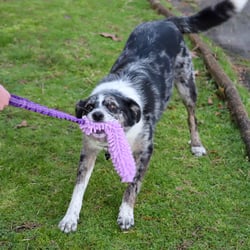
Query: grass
52 53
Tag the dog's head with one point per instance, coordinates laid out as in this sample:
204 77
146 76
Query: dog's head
109 106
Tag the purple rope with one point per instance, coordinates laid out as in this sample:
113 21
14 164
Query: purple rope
23 103
119 148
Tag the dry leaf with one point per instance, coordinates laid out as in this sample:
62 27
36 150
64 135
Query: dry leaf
196 72
179 188
194 54
210 101
221 93
22 124
220 106
26 226
114 37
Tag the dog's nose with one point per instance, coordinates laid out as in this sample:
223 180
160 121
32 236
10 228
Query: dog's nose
97 116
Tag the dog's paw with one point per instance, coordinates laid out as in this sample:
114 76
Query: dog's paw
68 224
126 217
198 151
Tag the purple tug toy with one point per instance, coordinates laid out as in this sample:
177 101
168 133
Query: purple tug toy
118 146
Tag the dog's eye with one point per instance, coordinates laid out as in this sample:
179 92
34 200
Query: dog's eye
89 107
112 107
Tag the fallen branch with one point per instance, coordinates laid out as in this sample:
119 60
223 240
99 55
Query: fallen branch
235 105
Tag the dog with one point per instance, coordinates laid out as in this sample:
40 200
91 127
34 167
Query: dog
136 93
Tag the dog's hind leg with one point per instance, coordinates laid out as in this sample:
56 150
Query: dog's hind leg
185 83
126 212
69 222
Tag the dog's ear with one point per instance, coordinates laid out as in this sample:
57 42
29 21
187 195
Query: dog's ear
135 108
80 110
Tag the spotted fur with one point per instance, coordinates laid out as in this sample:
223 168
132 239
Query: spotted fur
136 93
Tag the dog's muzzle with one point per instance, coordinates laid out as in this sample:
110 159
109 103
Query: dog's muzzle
98 116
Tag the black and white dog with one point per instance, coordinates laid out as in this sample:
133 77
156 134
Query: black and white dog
137 91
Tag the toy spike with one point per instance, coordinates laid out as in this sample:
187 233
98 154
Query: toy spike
119 148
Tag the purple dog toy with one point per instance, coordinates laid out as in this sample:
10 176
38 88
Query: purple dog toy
119 148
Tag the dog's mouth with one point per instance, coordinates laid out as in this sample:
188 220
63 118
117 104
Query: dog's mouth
100 134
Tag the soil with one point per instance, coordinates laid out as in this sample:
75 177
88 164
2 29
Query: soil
233 36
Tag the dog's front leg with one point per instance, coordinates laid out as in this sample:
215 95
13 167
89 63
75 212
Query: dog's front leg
86 165
126 212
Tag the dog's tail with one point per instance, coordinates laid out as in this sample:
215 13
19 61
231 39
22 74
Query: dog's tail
209 17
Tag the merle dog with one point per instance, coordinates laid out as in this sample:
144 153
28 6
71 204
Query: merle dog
136 92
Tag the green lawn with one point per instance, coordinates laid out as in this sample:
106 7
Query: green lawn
52 53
